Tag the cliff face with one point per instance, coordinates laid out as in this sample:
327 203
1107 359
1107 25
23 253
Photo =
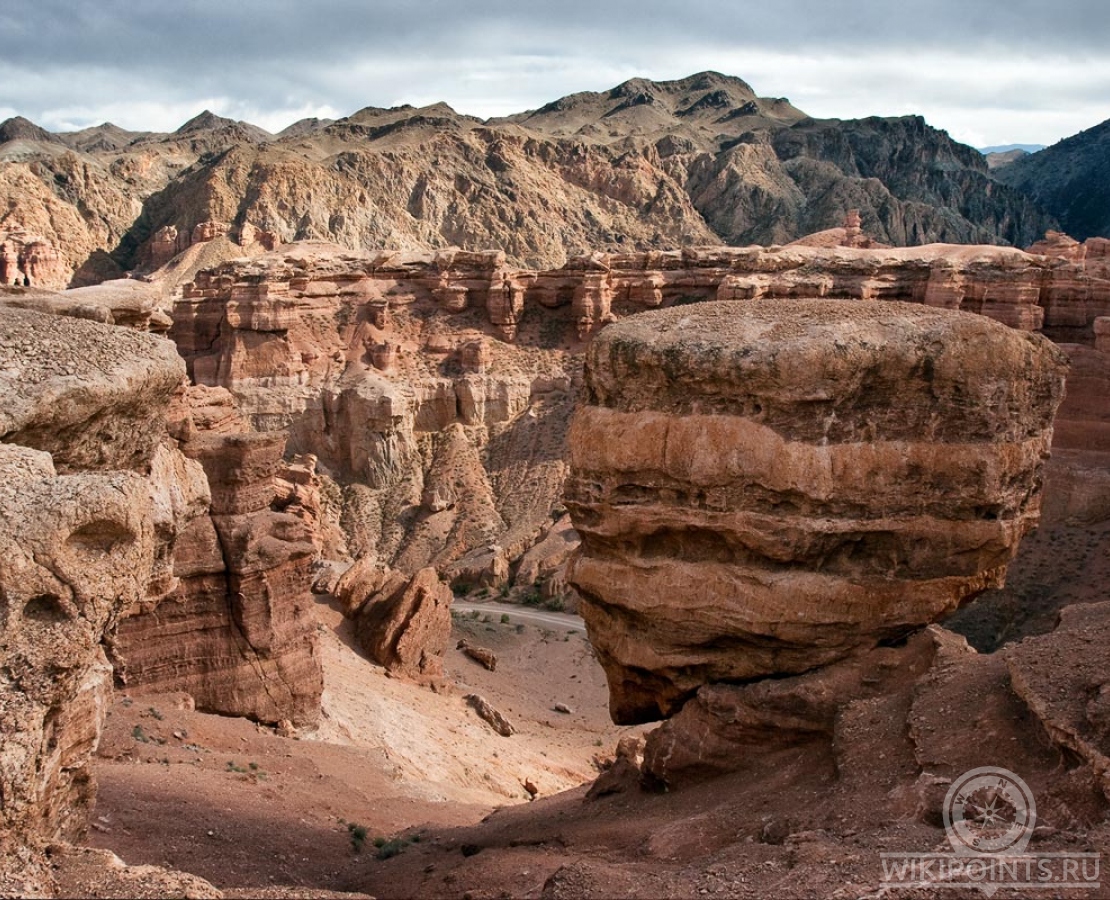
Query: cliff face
92 502
234 633
437 387
644 165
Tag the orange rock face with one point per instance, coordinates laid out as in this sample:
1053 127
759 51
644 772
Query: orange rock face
32 261
92 499
403 623
766 488
235 633
455 371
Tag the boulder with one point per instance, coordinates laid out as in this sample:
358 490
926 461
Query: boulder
403 623
766 487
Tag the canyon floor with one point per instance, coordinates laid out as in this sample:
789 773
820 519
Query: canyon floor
244 807
440 798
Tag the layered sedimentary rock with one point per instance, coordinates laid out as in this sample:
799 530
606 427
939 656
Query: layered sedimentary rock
91 502
387 368
235 633
436 386
32 261
402 622
767 487
132 304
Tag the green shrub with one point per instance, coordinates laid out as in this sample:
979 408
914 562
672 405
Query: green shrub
357 834
391 848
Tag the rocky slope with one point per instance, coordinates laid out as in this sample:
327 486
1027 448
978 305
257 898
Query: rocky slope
1069 181
644 165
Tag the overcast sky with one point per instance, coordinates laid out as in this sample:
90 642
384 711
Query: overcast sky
987 71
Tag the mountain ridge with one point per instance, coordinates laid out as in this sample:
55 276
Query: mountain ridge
644 165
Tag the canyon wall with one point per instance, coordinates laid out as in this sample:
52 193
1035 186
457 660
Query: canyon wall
436 387
235 632
93 500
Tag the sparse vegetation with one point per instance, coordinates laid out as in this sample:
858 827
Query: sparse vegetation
138 734
357 834
391 848
388 848
504 618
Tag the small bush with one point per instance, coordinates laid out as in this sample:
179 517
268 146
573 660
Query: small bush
504 618
357 834
391 848
138 734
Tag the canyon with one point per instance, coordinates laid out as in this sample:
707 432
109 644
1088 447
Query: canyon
267 459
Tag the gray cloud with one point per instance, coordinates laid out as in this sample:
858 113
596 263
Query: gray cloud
77 62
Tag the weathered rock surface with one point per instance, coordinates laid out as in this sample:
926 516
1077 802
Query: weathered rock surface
1064 678
133 304
31 261
765 488
91 502
718 730
235 633
92 403
481 655
403 623
489 714
455 446
396 370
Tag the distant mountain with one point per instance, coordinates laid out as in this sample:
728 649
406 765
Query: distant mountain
1070 180
1006 148
208 122
304 126
102 138
1004 158
21 129
645 165
707 109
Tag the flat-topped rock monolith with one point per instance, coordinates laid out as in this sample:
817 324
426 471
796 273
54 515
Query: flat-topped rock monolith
763 488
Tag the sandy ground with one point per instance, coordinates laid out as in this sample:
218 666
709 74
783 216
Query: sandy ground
237 804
